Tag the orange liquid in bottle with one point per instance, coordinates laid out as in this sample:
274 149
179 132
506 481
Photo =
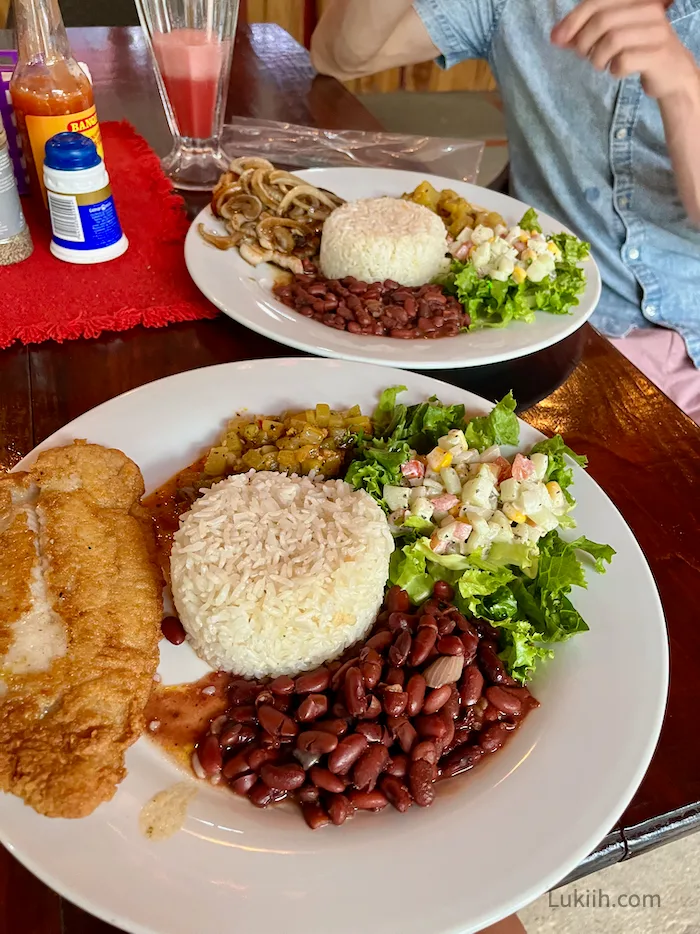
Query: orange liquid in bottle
50 92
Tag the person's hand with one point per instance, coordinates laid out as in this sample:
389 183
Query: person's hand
629 37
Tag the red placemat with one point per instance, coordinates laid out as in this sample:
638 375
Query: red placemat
44 298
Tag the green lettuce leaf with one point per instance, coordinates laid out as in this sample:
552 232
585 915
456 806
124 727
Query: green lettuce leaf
557 468
388 413
530 221
377 464
573 250
500 426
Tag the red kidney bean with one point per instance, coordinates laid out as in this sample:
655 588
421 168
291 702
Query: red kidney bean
337 727
394 700
354 692
423 644
313 682
173 630
244 714
400 621
415 691
312 707
491 713
264 697
421 778
236 766
432 727
282 702
373 731
493 738
370 766
437 698
461 760
339 675
315 816
406 735
450 645
368 800
242 692
374 708
471 686
326 780
243 784
503 701
317 742
470 641
399 651
282 685
395 676
230 734
446 715
381 640
308 794
451 708
446 625
371 673
209 755
262 796
259 757
396 792
347 753
339 809
340 711
397 600
493 667
397 765
443 591
425 750
283 777
276 723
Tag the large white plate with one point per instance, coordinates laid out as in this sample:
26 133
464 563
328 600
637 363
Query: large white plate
493 841
245 293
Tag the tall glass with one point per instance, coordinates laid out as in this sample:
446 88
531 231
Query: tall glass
191 42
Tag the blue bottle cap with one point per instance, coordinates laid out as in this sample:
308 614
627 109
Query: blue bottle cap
71 152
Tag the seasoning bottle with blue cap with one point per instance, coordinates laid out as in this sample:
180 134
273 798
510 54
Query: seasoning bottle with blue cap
84 219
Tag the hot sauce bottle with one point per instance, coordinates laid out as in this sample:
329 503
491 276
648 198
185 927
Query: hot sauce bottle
50 91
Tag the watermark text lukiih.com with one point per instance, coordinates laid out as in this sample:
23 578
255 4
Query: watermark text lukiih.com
598 898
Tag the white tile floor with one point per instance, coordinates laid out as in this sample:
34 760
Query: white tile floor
669 877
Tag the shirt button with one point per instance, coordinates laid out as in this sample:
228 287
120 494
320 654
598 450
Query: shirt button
621 133
633 253
650 311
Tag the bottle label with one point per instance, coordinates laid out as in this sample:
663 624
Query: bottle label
11 217
41 129
84 222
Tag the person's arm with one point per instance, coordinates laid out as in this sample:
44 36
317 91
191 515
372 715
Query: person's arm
635 37
361 37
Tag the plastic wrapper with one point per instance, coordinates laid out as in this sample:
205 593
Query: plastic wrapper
302 147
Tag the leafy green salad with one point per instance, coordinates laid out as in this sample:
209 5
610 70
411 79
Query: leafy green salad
489 524
502 275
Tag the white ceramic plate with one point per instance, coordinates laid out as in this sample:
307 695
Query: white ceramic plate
493 841
245 293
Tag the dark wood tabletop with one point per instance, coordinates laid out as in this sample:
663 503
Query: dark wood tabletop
642 450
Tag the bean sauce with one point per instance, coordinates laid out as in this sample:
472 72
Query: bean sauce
382 309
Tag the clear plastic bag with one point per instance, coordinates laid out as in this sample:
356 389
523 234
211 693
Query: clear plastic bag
294 146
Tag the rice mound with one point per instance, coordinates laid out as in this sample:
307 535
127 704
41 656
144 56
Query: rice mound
274 574
383 238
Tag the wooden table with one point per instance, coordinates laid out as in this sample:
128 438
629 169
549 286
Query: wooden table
642 450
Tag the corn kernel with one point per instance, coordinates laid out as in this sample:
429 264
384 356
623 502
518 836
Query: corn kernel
553 488
513 513
519 275
553 248
439 459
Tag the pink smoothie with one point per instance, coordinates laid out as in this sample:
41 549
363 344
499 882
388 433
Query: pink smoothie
190 62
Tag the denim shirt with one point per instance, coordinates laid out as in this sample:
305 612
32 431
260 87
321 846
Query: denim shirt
588 149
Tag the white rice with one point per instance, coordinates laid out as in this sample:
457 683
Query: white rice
274 575
383 238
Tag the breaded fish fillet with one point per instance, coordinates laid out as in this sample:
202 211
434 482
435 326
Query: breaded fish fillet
80 611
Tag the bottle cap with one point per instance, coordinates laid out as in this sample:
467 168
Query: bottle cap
70 152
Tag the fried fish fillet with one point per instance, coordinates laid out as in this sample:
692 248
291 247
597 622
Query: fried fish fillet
80 611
